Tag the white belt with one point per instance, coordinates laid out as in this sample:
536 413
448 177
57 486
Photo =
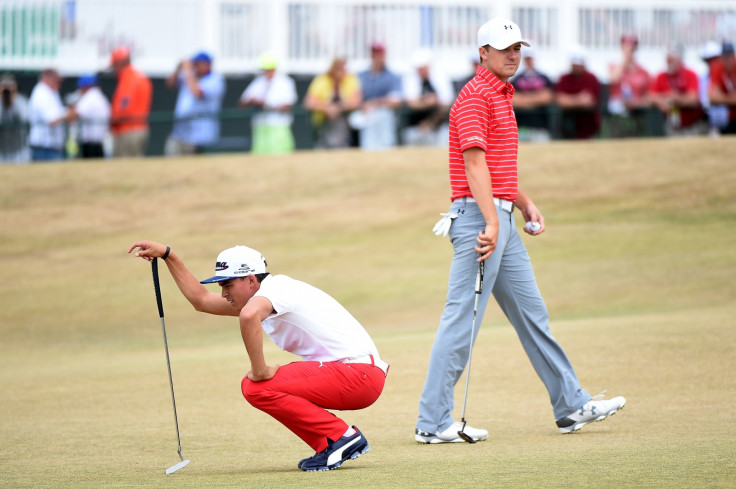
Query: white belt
369 360
506 205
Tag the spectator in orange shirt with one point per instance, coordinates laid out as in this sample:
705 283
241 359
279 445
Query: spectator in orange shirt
723 85
131 105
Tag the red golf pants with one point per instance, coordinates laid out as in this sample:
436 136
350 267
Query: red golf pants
300 392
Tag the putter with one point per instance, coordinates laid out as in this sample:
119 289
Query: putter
157 288
478 290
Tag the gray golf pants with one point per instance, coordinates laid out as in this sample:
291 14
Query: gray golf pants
509 276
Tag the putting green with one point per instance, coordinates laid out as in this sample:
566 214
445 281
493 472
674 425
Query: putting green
637 267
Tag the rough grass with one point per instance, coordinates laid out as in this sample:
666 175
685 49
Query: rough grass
637 268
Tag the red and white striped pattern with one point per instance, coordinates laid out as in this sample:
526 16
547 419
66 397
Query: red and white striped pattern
483 117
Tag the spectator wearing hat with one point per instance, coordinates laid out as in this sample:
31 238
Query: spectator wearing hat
274 95
723 85
675 94
429 95
47 116
717 114
13 123
131 106
376 119
578 95
533 98
628 99
331 97
92 112
197 111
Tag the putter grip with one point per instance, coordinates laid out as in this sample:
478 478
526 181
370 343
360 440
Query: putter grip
479 278
157 287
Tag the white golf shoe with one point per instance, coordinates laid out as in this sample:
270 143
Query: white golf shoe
450 434
594 410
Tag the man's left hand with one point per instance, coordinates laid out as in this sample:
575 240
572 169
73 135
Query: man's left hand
269 373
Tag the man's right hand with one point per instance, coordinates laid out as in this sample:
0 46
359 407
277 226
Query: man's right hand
487 241
148 250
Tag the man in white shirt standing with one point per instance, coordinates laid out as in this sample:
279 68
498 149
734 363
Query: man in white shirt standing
47 114
275 94
92 112
341 368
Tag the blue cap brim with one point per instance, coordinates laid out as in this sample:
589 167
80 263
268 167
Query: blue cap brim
216 279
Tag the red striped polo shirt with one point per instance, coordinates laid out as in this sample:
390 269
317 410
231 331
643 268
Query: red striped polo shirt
483 117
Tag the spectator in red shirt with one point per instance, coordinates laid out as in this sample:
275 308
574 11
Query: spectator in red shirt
723 85
628 99
675 94
578 95
131 104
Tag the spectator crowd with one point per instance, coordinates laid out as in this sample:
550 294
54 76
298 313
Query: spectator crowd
374 109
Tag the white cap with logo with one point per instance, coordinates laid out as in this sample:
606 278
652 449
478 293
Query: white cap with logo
238 261
499 34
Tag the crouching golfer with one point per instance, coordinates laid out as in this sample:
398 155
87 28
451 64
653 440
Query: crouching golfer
341 367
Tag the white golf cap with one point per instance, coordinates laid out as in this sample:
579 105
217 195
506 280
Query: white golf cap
710 50
499 34
238 261
421 58
578 55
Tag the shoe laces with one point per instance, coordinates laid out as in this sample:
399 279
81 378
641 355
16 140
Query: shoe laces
599 396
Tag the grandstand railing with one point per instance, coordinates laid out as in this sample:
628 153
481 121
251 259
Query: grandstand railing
235 129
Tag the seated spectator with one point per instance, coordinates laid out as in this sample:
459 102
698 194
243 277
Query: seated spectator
429 96
197 111
717 114
675 93
533 97
376 119
578 96
131 106
47 116
474 62
628 99
331 97
13 123
274 94
723 86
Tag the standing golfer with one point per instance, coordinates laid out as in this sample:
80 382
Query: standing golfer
483 177
341 367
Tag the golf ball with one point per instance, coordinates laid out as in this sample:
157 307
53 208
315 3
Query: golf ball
533 226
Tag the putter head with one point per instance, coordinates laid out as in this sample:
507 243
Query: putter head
178 466
464 435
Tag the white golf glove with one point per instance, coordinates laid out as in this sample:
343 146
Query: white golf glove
443 225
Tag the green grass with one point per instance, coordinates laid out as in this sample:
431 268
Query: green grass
637 267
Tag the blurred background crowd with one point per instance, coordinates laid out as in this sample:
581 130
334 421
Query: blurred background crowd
124 111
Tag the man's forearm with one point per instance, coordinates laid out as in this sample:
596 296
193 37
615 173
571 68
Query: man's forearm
252 333
196 293
481 185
